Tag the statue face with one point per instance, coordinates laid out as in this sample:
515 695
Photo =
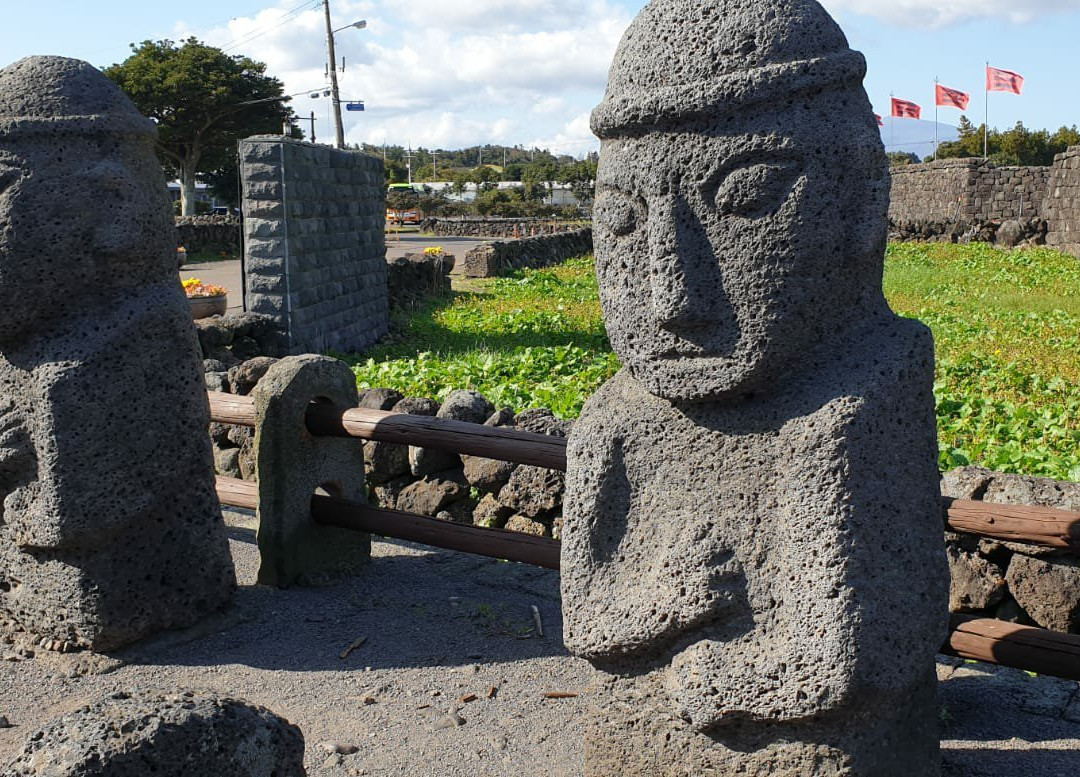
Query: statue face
715 249
78 222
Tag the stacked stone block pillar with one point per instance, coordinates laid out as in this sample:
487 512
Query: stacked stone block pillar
314 251
1062 206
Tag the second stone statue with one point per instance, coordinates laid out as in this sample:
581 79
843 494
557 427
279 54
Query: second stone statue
752 548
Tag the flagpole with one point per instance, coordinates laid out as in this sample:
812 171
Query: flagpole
892 122
986 117
935 118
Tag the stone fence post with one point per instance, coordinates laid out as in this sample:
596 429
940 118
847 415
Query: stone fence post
293 465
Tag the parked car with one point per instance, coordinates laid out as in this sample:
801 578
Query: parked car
402 215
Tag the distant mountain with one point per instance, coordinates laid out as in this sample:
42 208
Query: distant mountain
915 136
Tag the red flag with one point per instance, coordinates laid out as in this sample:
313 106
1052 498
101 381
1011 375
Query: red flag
880 121
902 109
952 98
1003 81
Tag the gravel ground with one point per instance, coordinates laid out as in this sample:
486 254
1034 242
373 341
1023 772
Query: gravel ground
439 628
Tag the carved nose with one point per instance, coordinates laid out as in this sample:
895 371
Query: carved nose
678 270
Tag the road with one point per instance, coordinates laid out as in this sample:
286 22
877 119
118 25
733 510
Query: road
227 273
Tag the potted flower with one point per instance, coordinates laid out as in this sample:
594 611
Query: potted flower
206 299
437 251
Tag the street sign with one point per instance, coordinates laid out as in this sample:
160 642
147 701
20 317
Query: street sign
357 106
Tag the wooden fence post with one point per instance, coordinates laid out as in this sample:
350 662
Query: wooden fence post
293 465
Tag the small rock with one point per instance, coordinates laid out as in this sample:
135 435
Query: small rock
339 748
333 761
379 398
466 405
370 700
453 720
4 722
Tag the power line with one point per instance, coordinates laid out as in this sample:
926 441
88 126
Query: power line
259 32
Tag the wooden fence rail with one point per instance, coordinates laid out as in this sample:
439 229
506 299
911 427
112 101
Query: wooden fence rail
491 442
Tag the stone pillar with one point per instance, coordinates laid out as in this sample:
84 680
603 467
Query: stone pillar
110 527
314 248
292 465
1062 205
752 551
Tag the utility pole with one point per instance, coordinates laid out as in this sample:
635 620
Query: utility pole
434 168
408 163
335 97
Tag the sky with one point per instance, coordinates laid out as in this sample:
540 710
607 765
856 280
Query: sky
455 74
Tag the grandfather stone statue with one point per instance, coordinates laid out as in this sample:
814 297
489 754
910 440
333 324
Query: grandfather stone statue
752 548
109 525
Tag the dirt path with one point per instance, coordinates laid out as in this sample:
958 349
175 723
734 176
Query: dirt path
441 627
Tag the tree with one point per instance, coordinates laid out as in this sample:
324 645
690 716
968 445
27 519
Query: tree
901 158
203 101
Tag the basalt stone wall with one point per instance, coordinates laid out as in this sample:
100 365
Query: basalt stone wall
488 260
497 227
960 200
936 191
1062 208
414 277
966 190
208 233
1007 580
315 255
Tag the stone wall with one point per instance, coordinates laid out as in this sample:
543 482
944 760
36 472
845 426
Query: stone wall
489 260
315 256
961 200
966 190
1008 580
414 277
1062 207
209 233
497 227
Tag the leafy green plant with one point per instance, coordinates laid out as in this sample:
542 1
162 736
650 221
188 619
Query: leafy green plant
1007 332
535 339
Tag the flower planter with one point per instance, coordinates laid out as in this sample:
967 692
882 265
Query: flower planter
204 307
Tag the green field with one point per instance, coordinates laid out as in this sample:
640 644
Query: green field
1006 327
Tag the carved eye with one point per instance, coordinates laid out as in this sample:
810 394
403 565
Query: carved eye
756 190
617 212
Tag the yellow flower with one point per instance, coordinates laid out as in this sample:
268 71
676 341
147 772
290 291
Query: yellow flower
194 287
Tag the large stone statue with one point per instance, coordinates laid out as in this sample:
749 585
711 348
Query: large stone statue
752 549
109 526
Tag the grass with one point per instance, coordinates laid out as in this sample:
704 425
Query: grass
1007 336
1006 327
532 340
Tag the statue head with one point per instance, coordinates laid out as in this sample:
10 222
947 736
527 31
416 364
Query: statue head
83 216
742 193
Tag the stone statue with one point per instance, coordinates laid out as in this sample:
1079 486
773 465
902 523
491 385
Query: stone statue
110 526
752 548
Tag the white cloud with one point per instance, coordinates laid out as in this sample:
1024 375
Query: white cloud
940 13
574 138
444 74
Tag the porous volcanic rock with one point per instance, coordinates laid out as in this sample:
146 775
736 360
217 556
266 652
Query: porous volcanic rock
174 733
